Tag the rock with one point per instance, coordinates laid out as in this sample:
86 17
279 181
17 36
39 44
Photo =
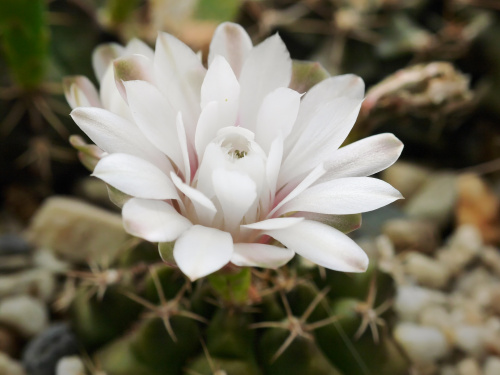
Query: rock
426 271
468 366
15 253
412 300
477 205
70 366
491 366
448 370
469 339
422 344
37 283
414 235
9 367
406 177
462 247
77 231
435 201
43 353
468 283
491 258
435 316
45 259
25 314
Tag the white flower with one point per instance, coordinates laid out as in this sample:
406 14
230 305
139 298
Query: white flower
223 160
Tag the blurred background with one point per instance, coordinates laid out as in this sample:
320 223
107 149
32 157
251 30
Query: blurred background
432 70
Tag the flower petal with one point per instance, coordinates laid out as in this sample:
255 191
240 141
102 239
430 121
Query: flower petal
131 68
260 255
102 57
113 134
138 47
80 92
276 223
363 158
155 118
183 144
200 250
323 245
267 67
135 176
231 41
153 220
276 116
211 120
236 193
179 73
349 195
220 85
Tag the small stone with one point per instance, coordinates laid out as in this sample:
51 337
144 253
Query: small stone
9 367
462 248
469 366
491 258
25 314
37 283
77 231
492 334
435 200
422 344
466 237
412 300
408 234
45 258
472 280
470 339
70 366
426 271
491 366
15 253
406 177
478 206
435 316
448 370
44 352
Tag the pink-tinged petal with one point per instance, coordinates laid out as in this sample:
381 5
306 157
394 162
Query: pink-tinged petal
276 223
349 195
135 176
138 47
345 86
276 116
179 74
80 92
267 67
102 57
155 118
115 134
181 133
220 85
260 255
363 158
131 68
273 165
153 220
200 251
204 207
111 98
324 134
323 245
231 41
312 177
212 118
236 193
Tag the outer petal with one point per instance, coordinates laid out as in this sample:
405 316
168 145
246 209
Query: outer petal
220 85
102 57
135 176
131 68
212 119
138 47
344 196
236 193
276 116
276 223
80 92
323 245
155 117
363 158
260 255
231 41
153 220
267 67
199 251
324 134
115 134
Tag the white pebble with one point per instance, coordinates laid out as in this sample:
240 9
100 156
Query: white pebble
422 344
468 366
426 271
470 339
491 366
26 314
411 300
9 367
70 366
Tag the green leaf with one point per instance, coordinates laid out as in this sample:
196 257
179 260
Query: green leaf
217 10
24 40
232 287
306 74
119 11
166 250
